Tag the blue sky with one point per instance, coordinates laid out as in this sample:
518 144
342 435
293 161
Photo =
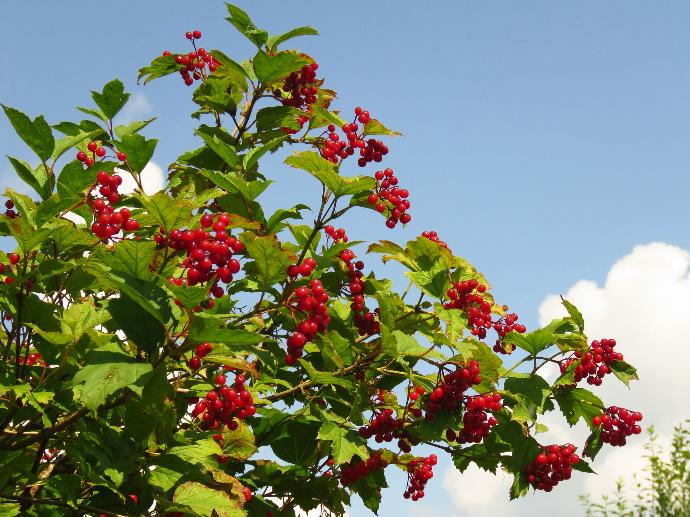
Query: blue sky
543 140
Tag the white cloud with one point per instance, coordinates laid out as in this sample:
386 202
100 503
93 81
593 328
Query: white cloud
644 304
152 179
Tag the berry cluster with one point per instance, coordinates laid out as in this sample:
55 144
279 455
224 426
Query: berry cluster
366 321
335 149
195 63
388 197
106 221
223 404
448 394
338 235
299 88
96 152
205 251
200 352
9 204
466 296
311 301
34 359
305 268
433 237
617 424
419 472
383 426
476 423
552 465
594 364
353 472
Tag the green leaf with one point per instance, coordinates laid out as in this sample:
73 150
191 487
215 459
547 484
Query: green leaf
243 23
593 444
230 70
374 127
296 442
252 157
326 173
269 69
575 314
37 178
273 117
36 133
94 113
139 150
345 443
108 370
207 501
65 144
274 222
270 258
112 99
190 297
211 137
131 257
274 41
131 128
532 392
624 371
165 211
239 445
203 330
159 67
73 180
145 331
541 339
576 403
231 182
433 283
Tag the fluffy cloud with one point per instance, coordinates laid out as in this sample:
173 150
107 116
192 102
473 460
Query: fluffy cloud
152 179
644 305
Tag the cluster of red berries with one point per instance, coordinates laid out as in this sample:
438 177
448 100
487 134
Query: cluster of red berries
594 364
224 403
419 472
305 268
311 301
383 426
195 63
552 465
466 296
9 204
299 88
476 423
387 196
414 394
96 152
366 321
335 149
106 221
353 472
34 359
205 251
338 235
14 259
617 424
448 394
433 237
200 352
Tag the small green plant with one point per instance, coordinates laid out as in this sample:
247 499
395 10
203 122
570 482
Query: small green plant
663 491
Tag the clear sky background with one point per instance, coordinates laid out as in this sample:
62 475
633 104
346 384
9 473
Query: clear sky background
544 141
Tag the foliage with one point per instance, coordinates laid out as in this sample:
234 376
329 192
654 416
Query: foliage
187 353
664 491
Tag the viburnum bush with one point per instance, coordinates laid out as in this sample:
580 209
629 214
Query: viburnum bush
187 353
